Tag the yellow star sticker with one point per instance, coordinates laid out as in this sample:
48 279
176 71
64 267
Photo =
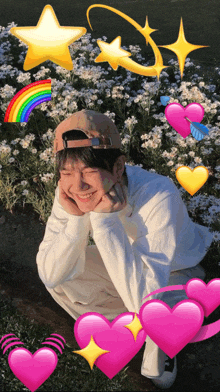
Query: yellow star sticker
135 326
158 67
111 52
48 40
146 31
91 352
182 48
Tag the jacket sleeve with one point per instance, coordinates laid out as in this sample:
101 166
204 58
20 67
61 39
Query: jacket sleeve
138 268
61 254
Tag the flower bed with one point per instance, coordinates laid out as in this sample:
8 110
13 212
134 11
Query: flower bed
27 163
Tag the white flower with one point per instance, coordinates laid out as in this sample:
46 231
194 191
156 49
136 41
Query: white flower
15 152
47 177
211 88
165 154
24 143
154 144
34 150
170 163
45 155
214 210
216 236
190 141
126 139
5 149
178 165
7 91
172 154
24 182
11 160
181 142
30 137
23 77
111 115
207 219
198 160
191 153
130 121
25 192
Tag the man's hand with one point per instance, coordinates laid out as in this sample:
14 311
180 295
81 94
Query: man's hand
114 200
67 203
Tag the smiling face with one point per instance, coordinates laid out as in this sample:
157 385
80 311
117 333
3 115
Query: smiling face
88 185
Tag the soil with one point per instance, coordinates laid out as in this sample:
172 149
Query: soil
20 236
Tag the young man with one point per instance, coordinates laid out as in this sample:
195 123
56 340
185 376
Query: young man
144 237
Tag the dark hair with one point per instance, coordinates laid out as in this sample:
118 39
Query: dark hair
92 157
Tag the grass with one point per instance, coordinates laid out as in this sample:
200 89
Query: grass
72 372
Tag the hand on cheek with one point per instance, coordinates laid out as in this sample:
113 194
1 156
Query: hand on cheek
114 200
67 202
107 184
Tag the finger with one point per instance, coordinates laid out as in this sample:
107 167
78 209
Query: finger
109 197
113 194
108 201
64 195
107 184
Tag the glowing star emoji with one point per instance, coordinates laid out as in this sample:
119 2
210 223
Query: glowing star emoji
115 55
192 180
91 352
111 52
182 48
147 30
48 40
135 326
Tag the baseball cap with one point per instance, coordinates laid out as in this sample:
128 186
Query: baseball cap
100 130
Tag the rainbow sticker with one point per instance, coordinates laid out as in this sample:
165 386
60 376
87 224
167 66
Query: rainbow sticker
26 99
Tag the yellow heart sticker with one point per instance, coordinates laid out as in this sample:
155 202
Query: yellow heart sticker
192 180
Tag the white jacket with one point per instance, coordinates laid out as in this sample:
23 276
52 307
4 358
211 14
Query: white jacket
139 245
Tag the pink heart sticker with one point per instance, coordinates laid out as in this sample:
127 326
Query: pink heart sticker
207 295
32 370
176 113
111 336
171 329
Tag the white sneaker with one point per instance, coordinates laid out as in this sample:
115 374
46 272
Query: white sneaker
169 375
